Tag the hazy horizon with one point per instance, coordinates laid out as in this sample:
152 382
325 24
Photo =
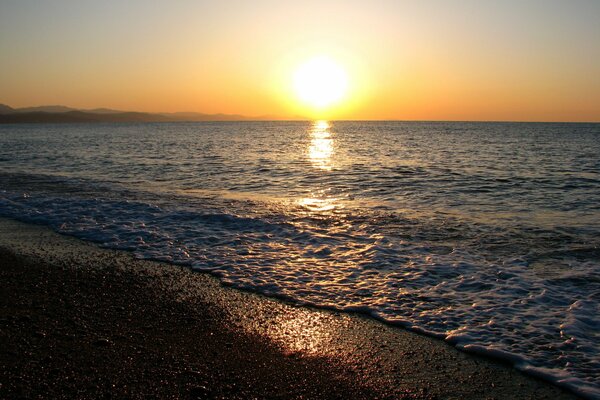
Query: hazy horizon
439 61
275 118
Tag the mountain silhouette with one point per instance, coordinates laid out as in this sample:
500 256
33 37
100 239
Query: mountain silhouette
63 114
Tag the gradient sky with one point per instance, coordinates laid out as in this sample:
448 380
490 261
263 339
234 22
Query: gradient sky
441 60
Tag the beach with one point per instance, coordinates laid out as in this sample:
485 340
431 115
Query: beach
81 321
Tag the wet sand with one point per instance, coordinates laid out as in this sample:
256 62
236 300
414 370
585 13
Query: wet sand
78 321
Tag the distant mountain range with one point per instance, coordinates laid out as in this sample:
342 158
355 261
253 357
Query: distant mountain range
63 114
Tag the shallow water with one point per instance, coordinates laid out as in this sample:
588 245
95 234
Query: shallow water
484 234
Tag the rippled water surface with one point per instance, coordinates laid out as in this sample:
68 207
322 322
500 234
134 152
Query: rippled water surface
484 234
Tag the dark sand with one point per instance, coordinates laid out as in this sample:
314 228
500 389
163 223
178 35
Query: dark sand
77 321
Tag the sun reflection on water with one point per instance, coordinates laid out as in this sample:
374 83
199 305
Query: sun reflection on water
320 149
315 204
319 153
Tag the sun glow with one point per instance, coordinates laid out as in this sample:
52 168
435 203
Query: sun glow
320 82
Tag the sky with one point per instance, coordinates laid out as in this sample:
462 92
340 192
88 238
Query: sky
514 60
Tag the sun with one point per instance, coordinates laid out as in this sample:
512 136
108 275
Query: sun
320 82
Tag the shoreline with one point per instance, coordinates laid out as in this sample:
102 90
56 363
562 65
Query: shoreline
81 321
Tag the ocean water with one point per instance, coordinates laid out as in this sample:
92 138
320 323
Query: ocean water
486 235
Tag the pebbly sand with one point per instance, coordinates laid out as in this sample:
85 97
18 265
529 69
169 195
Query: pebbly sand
78 321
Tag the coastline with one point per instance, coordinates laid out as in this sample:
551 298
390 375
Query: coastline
81 321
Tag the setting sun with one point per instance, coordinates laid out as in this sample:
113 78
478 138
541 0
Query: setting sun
320 82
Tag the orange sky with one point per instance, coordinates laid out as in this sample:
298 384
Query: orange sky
443 60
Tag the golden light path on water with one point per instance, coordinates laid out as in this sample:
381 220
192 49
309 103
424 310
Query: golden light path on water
319 153
304 331
308 332
321 146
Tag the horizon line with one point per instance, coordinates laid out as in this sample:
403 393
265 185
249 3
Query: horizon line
263 119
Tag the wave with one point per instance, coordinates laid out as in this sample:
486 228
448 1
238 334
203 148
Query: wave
419 275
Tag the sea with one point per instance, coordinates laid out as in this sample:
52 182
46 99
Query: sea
485 235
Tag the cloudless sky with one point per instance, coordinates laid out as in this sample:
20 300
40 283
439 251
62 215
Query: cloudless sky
443 60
